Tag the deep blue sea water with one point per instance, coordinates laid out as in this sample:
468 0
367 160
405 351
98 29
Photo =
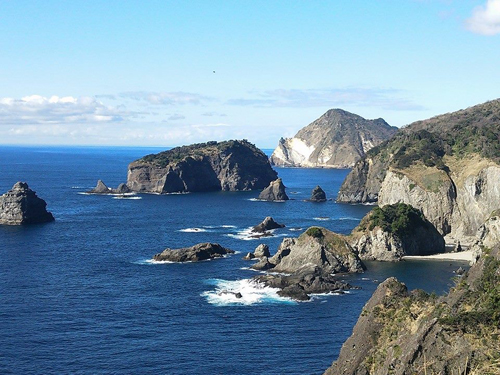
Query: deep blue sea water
79 295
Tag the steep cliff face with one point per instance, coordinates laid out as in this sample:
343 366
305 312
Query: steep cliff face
393 231
336 140
227 166
446 166
415 333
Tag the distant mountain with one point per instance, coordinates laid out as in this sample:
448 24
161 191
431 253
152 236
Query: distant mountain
336 140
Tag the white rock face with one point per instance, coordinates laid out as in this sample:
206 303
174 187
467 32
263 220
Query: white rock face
336 140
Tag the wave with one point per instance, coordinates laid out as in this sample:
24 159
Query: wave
263 200
125 197
321 218
242 292
152 261
295 229
219 226
349 218
193 230
249 235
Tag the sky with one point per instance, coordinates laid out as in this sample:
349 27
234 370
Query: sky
168 73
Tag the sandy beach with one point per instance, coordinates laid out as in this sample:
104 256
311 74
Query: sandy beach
468 256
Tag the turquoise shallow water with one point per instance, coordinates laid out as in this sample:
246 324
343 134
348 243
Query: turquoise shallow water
79 295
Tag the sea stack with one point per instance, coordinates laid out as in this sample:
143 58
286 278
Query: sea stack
274 192
20 205
318 195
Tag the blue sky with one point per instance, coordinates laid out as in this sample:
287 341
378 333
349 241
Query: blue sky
166 73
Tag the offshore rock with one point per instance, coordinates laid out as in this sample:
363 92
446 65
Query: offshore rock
20 205
274 192
227 166
262 251
318 195
201 251
267 224
336 140
101 188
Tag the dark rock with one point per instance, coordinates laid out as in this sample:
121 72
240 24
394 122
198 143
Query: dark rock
211 166
100 188
20 205
457 248
460 271
267 224
122 189
249 256
238 295
262 251
201 251
274 192
318 195
263 265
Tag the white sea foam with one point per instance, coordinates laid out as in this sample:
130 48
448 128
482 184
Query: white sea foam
152 261
321 218
349 218
249 235
252 292
126 197
192 230
295 229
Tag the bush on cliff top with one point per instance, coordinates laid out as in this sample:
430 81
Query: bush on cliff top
397 218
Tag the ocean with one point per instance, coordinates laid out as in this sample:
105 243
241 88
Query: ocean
81 296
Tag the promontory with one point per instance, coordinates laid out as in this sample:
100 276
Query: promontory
228 166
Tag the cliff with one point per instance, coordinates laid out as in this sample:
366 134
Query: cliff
212 166
336 140
390 232
21 205
401 332
447 167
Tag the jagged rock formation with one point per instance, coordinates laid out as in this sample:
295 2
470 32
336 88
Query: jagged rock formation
267 224
447 166
20 205
201 251
310 261
318 195
261 251
336 140
274 192
393 231
101 188
211 166
415 333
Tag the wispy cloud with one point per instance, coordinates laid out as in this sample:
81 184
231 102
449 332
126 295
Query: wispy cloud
167 98
211 114
485 19
36 109
389 99
176 117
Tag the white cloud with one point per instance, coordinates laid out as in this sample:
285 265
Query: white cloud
37 109
167 98
388 99
485 19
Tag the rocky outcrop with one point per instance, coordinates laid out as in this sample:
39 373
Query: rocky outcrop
212 166
101 188
336 140
318 195
267 224
401 332
393 231
262 251
201 251
20 205
274 192
447 167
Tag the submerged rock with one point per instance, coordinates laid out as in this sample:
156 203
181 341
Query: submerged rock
274 192
20 205
318 195
201 251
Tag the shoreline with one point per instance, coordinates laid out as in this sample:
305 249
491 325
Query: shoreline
467 255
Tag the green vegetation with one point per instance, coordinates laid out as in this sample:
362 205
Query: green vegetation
198 150
315 232
397 218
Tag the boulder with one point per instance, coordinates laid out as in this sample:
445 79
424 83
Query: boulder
20 205
318 195
262 251
201 251
274 192
267 224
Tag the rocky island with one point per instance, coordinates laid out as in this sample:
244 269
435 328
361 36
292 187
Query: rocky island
20 205
274 192
227 166
201 251
336 140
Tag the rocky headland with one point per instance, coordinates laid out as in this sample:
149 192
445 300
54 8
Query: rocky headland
447 167
20 205
201 251
401 332
336 140
276 191
227 166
